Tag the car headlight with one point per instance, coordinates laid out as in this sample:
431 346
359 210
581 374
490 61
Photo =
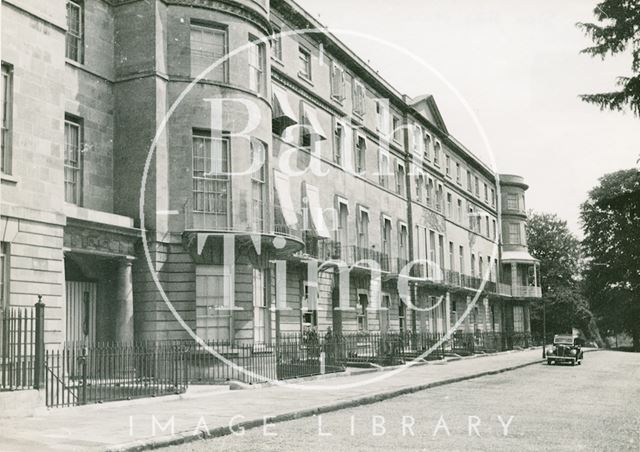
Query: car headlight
574 351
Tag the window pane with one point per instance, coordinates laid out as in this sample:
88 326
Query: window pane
276 44
258 153
257 67
74 36
518 319
208 46
71 161
211 180
260 316
212 316
514 233
6 102
305 63
337 82
338 144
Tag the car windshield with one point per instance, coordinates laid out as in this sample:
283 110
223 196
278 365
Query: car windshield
568 340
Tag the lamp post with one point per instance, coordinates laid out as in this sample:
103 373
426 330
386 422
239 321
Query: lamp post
544 329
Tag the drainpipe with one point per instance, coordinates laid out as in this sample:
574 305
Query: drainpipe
408 159
499 227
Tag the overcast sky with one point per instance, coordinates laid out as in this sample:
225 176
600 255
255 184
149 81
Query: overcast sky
517 64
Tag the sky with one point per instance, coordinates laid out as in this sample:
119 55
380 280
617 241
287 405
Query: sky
517 66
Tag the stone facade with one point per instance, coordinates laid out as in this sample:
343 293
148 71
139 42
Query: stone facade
132 93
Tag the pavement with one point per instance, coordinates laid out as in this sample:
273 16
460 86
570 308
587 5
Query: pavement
592 407
205 412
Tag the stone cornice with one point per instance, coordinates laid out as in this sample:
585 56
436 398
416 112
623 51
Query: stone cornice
89 237
228 6
301 19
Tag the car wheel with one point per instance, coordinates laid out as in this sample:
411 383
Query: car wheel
548 362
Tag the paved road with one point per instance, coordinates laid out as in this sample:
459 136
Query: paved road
595 406
119 425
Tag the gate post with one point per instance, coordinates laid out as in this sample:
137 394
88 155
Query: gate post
84 374
38 378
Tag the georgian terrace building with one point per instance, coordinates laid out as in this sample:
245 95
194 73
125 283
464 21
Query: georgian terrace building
374 181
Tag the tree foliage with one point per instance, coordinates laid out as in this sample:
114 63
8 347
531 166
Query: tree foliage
558 249
617 31
611 223
550 240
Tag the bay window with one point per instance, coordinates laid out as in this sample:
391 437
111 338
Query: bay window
257 66
210 180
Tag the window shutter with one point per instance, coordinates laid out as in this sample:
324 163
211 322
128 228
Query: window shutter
335 81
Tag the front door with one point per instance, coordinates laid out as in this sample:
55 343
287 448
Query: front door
81 311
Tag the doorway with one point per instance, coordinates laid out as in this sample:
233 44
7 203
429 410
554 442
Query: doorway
361 313
80 317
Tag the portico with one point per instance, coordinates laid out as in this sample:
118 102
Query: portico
98 258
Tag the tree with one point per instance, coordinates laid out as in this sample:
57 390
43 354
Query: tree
618 31
558 249
611 224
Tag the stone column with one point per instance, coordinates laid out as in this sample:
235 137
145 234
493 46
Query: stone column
124 302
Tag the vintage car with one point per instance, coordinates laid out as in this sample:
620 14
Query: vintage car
566 349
